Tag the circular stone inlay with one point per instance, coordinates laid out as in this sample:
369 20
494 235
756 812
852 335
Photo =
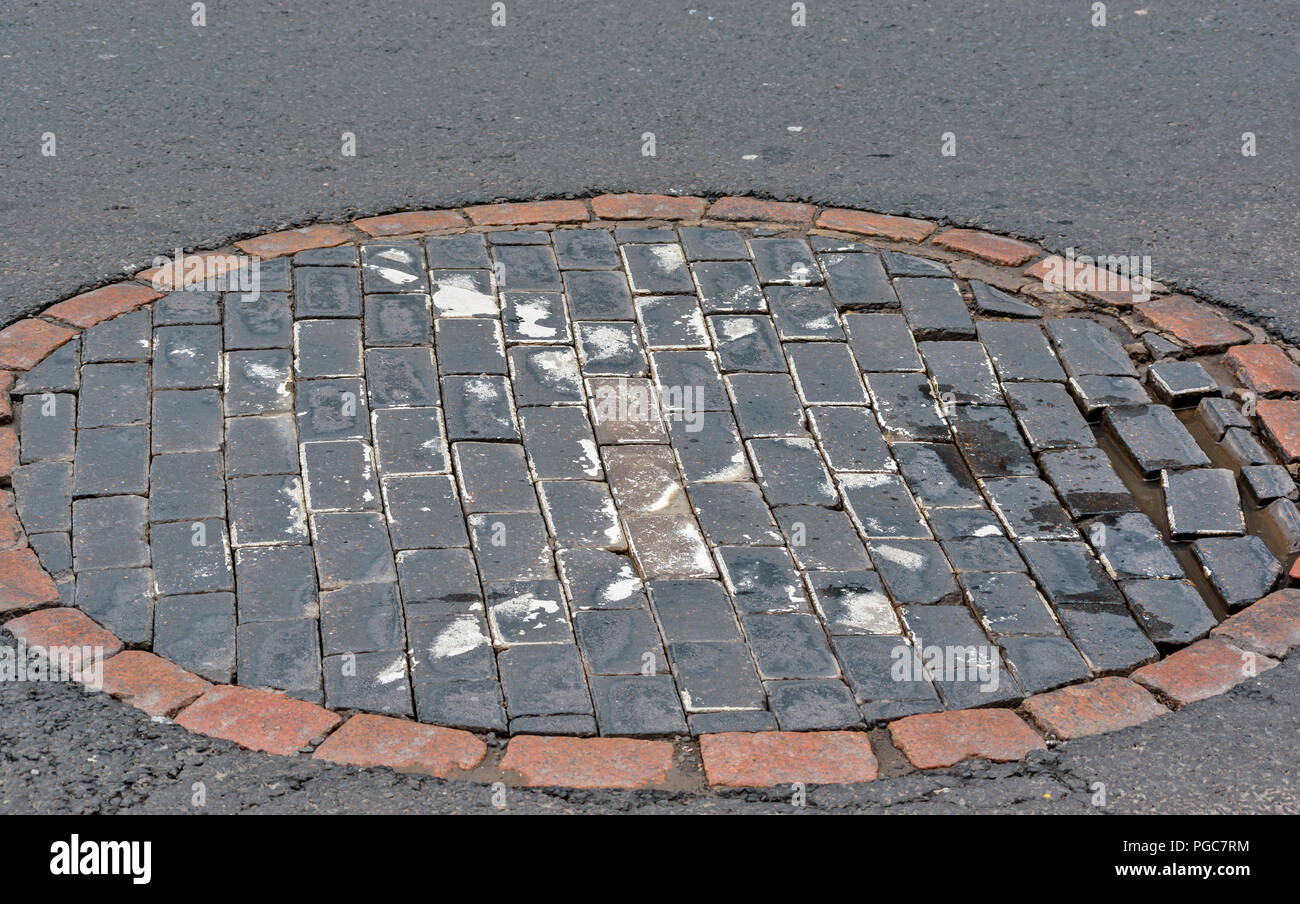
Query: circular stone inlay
610 479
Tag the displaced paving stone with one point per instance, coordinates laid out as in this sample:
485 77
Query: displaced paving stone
1202 503
1242 569
1155 438
1263 368
1281 420
1244 448
1131 546
1219 414
1181 383
901 264
1269 482
1096 392
996 303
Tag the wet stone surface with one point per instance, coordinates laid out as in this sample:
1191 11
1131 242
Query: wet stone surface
642 481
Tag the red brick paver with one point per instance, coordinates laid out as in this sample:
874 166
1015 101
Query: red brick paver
1281 420
28 342
7 381
151 683
527 213
62 627
23 582
93 307
899 229
996 249
8 451
1264 368
1064 275
411 221
291 241
193 268
369 740
769 758
647 207
1107 704
747 209
1202 670
11 529
1192 323
937 740
588 762
1270 626
258 720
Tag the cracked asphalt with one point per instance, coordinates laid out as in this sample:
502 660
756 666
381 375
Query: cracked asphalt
1117 140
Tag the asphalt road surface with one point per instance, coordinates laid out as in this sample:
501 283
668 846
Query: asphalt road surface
1124 139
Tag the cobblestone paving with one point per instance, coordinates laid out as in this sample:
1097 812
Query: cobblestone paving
641 481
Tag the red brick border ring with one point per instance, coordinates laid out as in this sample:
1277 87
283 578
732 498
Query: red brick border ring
261 720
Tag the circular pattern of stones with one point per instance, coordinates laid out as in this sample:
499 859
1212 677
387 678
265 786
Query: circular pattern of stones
656 472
